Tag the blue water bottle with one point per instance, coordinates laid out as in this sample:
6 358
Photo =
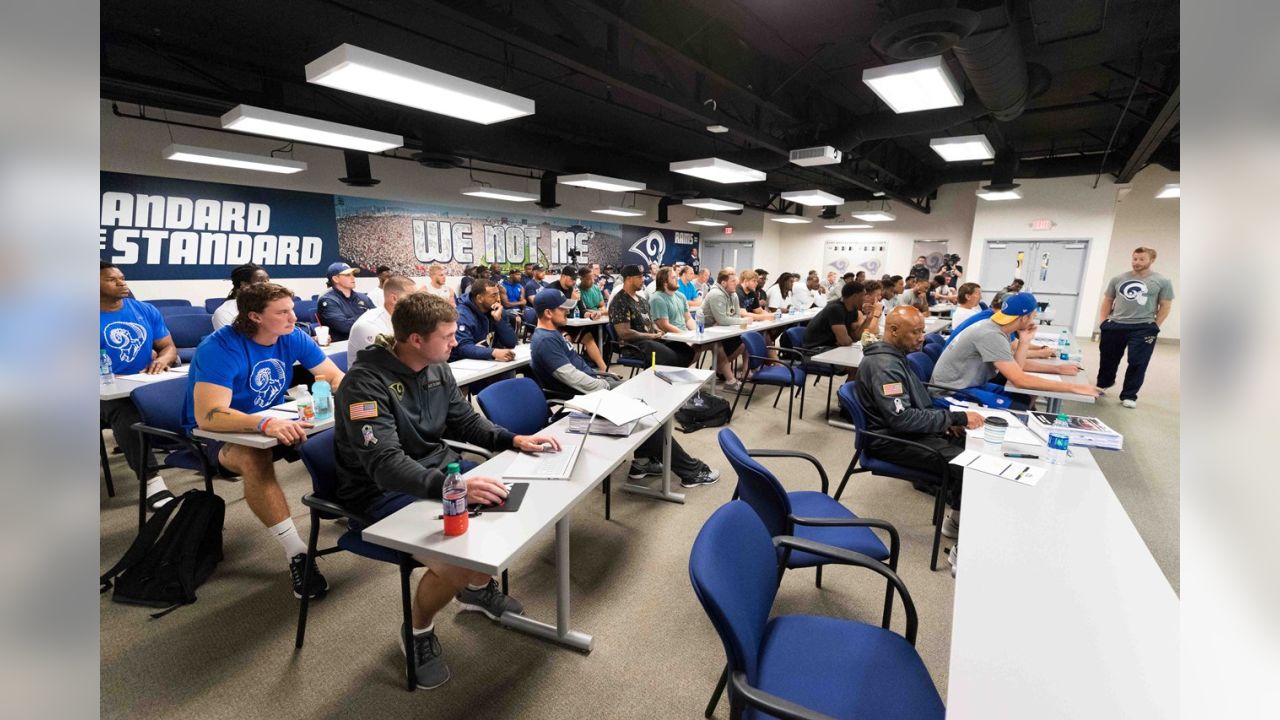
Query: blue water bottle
105 375
1064 345
1059 440
322 395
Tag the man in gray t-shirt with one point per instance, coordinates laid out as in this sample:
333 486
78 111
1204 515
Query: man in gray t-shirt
1134 306
975 354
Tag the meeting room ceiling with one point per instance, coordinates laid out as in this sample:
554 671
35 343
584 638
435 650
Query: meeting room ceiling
624 87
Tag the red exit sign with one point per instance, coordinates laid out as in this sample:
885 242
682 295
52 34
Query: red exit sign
728 229
1042 224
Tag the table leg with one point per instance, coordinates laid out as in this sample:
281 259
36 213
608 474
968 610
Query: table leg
1053 405
560 632
665 493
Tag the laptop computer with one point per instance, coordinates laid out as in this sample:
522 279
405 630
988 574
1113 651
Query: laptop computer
548 466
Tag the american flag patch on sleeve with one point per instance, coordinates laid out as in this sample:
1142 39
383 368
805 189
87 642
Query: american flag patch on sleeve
363 410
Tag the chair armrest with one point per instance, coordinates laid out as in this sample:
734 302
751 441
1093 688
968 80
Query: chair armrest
848 557
469 448
937 455
772 704
822 473
333 508
196 447
856 522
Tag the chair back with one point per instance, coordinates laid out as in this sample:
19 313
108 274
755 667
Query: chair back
848 397
920 364
756 485
934 337
305 310
168 311
734 571
319 459
983 305
530 317
189 330
160 403
211 305
516 404
755 348
793 337
933 350
339 359
172 302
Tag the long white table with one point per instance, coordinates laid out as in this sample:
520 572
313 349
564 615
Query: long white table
717 333
495 539
597 323
1060 609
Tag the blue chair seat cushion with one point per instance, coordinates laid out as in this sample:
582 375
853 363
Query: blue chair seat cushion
820 505
822 369
353 543
777 375
186 354
845 669
888 469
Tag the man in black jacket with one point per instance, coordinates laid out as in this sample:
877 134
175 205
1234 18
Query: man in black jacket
394 409
340 307
896 403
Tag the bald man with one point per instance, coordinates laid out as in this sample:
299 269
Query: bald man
896 403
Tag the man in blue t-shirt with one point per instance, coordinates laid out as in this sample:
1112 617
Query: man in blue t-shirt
135 339
340 307
238 372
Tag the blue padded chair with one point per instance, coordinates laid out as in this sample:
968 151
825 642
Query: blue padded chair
160 409
983 305
938 478
170 303
614 345
188 331
305 310
529 321
932 350
793 339
168 311
787 374
935 337
921 364
211 305
802 666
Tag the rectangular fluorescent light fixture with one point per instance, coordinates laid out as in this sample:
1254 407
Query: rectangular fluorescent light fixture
364 72
226 158
619 211
1172 190
272 123
812 197
791 219
493 193
708 222
924 84
717 129
717 170
712 204
1000 194
601 182
846 226
875 215
965 147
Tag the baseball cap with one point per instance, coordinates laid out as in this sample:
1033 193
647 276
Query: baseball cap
550 299
1015 306
631 271
569 270
535 266
341 268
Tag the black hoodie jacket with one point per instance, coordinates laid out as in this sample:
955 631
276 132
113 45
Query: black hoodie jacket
895 401
396 439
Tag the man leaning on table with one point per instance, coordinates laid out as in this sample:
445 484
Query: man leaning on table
722 309
245 368
392 415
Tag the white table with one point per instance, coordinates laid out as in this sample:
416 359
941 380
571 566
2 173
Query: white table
597 323
1060 610
495 539
942 309
1053 399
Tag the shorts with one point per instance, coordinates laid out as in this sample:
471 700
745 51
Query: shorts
730 345
391 501
288 453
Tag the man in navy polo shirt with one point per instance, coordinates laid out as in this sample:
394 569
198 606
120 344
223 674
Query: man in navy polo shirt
238 372
339 308
136 340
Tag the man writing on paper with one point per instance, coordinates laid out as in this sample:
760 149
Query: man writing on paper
558 368
896 403
391 418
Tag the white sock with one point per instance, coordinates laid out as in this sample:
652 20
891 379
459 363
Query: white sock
477 587
155 485
425 630
287 535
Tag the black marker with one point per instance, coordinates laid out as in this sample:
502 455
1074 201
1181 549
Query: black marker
1022 455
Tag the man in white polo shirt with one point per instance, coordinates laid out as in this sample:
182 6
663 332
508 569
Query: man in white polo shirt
377 321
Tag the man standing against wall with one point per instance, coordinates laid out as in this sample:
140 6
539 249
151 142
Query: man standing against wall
1134 306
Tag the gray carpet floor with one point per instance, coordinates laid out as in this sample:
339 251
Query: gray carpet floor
231 654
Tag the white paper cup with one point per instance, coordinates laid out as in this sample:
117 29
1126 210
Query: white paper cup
993 430
322 335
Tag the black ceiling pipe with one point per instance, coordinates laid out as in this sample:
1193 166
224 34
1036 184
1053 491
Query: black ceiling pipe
663 204
993 60
547 191
358 174
882 126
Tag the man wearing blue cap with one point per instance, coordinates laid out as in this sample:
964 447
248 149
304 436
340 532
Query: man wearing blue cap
339 308
979 350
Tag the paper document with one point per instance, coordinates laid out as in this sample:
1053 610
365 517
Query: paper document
1001 467
1018 433
145 378
678 376
469 365
614 407
523 352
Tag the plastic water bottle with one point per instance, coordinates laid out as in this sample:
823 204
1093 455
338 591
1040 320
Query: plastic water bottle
1059 440
306 406
455 501
1064 345
702 326
777 314
322 393
105 374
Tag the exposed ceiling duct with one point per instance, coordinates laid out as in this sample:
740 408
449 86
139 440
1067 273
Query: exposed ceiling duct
996 67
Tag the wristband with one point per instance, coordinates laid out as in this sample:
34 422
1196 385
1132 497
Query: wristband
262 425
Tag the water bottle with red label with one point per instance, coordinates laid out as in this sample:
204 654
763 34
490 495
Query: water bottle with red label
455 501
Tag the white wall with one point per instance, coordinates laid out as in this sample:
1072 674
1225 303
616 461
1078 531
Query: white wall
1144 221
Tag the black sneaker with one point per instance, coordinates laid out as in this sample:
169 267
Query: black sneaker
490 601
428 659
644 468
319 586
705 476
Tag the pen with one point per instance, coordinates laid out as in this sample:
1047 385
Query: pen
663 378
1022 455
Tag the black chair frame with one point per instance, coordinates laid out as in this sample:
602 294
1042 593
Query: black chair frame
794 388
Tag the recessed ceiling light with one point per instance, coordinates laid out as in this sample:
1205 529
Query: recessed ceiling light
1172 190
493 193
712 204
620 211
965 147
924 84
875 215
600 182
812 197
226 158
846 226
791 219
878 193
372 74
261 121
708 222
1000 194
717 170
717 129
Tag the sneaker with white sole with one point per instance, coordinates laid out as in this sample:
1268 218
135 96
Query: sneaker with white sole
1129 403
951 525
705 476
489 600
428 659
298 566
643 468
953 558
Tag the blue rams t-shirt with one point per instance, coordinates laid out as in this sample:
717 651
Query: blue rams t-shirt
128 334
257 374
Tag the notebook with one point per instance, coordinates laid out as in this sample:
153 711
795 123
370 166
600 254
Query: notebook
547 465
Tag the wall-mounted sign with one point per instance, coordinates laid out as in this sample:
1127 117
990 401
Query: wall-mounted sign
1042 224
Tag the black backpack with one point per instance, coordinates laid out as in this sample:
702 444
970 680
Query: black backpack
171 558
713 413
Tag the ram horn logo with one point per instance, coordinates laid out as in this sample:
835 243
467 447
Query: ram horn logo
126 337
267 380
651 247
1134 290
